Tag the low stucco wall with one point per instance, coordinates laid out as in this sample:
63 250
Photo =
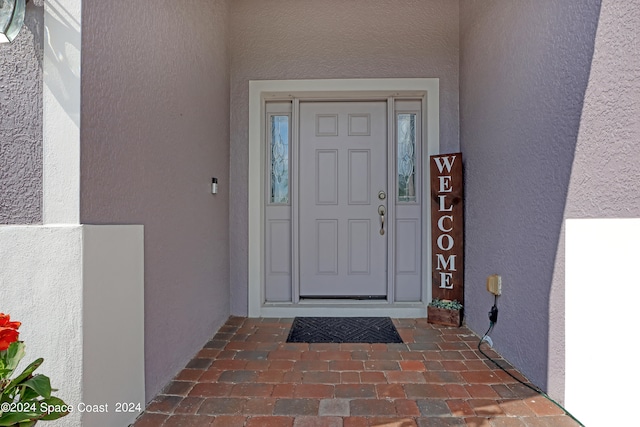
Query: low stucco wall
41 286
602 284
113 323
78 291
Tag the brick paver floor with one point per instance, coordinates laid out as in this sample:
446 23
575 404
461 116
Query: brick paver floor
249 376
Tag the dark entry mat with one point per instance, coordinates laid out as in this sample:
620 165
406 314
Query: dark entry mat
343 330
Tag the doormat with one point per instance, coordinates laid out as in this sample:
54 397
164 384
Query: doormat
343 330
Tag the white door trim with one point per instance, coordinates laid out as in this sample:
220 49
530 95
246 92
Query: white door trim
262 90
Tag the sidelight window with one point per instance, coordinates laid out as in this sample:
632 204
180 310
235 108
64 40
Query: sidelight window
406 126
279 158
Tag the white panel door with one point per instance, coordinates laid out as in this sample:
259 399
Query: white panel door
343 169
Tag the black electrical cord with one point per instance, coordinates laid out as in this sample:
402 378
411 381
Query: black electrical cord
536 389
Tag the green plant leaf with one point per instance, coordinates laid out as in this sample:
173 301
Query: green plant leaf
24 375
446 304
28 394
40 384
13 418
53 402
11 358
27 424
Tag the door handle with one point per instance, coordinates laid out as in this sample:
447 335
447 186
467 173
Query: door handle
382 211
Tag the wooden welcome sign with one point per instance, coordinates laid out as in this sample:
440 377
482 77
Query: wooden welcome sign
447 246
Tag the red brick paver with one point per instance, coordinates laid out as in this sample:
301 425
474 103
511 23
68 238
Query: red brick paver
248 376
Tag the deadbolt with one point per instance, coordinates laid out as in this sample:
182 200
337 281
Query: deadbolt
382 195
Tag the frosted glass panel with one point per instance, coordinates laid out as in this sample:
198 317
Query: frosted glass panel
11 19
279 159
406 157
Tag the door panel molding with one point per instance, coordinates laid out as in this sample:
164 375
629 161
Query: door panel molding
327 185
343 89
355 184
326 231
359 260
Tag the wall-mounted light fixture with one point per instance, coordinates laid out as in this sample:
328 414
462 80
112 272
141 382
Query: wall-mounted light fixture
11 19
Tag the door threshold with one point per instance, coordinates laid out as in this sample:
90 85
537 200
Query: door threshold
345 298
344 308
341 300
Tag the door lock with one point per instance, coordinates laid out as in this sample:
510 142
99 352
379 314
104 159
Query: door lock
382 211
382 195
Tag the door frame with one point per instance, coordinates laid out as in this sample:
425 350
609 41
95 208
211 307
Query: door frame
261 91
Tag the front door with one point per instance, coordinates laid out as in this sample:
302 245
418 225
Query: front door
343 204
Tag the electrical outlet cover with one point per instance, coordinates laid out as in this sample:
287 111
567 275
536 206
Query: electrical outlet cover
494 284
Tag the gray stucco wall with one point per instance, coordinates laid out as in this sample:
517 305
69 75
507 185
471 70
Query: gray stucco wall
326 39
524 70
606 169
154 131
21 122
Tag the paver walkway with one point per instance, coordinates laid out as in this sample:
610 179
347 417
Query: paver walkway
249 376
